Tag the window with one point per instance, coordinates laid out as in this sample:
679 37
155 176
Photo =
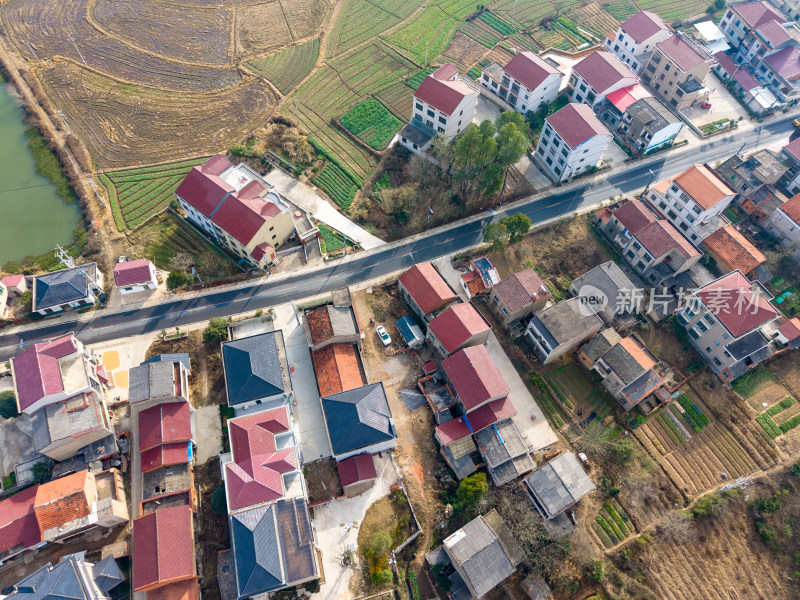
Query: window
651 67
582 88
461 113
443 120
673 102
640 266
661 77
718 361
620 37
630 254
647 257
662 204
666 67
716 342
693 333
636 246
679 92
564 152
549 161
657 86
272 228
418 106
708 349
431 113
683 226
561 161
274 236
671 214
656 59
701 326
697 210
725 336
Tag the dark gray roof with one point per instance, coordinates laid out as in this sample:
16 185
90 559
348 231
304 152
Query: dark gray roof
62 287
623 364
652 112
477 550
181 357
358 418
599 344
253 367
273 547
612 281
67 581
560 483
65 419
564 321
500 443
417 133
151 380
748 345
644 385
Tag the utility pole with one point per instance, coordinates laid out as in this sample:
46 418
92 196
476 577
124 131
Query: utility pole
744 143
649 183
344 235
296 114
428 220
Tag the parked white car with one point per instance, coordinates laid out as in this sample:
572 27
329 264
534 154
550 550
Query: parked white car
383 335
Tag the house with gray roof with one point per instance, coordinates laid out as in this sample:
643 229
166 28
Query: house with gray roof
504 451
77 287
72 578
273 547
62 430
153 383
597 346
484 553
558 485
359 421
609 293
256 372
560 328
647 125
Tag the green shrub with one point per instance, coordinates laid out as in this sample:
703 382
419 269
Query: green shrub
596 570
8 405
412 584
219 502
41 471
216 332
177 279
790 424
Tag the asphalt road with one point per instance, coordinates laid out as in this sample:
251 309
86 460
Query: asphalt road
438 243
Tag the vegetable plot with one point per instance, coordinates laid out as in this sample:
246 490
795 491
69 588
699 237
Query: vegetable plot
371 122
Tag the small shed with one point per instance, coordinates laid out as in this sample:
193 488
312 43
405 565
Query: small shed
410 331
357 474
536 588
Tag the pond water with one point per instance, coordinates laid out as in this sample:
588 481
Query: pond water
33 218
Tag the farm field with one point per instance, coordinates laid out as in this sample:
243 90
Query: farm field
306 17
397 98
595 19
124 125
285 69
359 21
138 194
675 10
335 182
482 35
463 51
612 524
498 24
262 28
371 122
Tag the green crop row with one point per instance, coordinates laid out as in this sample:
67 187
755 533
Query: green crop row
331 239
337 185
769 425
371 121
135 194
157 169
693 415
780 406
497 23
285 69
674 433
355 179
602 535
623 528
607 529
790 424
474 73
480 35
417 78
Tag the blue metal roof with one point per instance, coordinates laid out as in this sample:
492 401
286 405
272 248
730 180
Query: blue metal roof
409 330
253 367
487 271
358 418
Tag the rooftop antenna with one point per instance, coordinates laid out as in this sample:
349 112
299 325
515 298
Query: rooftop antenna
65 259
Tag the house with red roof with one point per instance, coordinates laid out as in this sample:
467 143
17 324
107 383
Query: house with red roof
236 208
732 324
357 474
132 276
597 75
677 70
636 38
444 104
517 296
755 95
163 549
49 372
623 221
425 291
784 223
659 252
480 277
11 288
691 199
332 323
789 333
573 140
732 251
525 83
19 529
459 326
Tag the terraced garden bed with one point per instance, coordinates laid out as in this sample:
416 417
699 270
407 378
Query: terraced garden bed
371 122
286 68
335 182
612 524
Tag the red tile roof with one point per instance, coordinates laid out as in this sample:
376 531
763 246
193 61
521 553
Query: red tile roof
773 33
62 500
474 282
626 96
634 215
681 52
726 62
732 300
734 250
791 329
356 468
163 547
457 324
216 165
747 81
703 186
132 271
661 237
164 456
785 63
479 419
36 370
793 148
18 524
443 95
576 124
529 69
319 322
474 376
165 423
445 72
242 218
791 208
637 353
263 249
336 366
427 287
204 191
643 25
182 590
756 13
521 289
255 475
602 70
12 280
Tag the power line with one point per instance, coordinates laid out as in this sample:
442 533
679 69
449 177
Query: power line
22 189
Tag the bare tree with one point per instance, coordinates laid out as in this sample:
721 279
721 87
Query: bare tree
677 528
181 262
639 487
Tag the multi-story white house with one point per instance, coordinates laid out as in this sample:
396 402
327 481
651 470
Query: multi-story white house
597 75
784 223
690 199
443 104
573 140
526 82
236 208
740 19
636 38
766 39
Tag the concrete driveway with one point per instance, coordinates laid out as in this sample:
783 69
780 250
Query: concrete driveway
337 524
307 410
723 104
485 109
208 432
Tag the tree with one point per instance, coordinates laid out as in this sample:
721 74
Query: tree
471 490
219 502
622 451
512 116
379 543
216 332
182 261
511 144
677 528
517 226
8 405
26 299
176 279
596 570
41 471
496 234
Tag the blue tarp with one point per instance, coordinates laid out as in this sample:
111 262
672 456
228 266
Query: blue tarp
410 331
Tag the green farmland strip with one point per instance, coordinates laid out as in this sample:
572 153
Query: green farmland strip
479 34
371 122
337 185
497 23
286 68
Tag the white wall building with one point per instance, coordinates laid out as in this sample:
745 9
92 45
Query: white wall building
784 223
636 38
573 139
740 19
135 276
597 75
526 82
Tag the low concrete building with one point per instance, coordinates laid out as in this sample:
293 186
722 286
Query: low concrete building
560 328
636 38
256 372
784 223
518 296
357 474
526 82
480 277
646 125
425 291
505 452
135 276
558 485
573 141
597 75
332 323
790 156
609 293
459 326
63 429
732 251
77 287
156 381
